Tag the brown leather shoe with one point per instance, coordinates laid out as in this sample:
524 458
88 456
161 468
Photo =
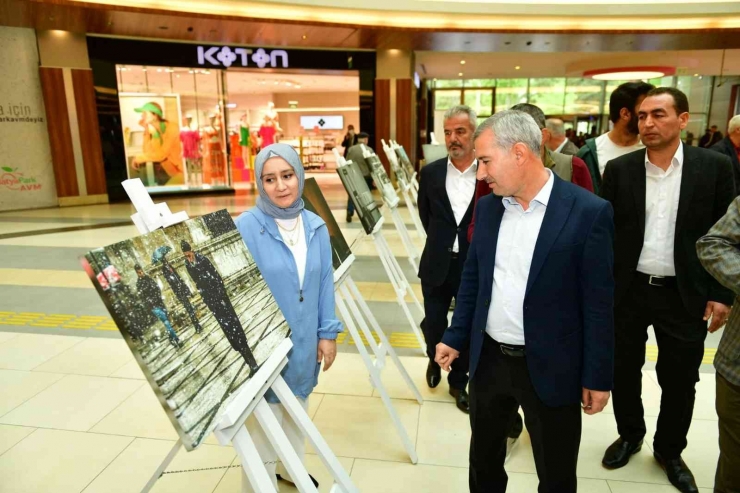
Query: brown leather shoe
461 399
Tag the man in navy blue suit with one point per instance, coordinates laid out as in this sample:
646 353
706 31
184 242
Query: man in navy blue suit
535 308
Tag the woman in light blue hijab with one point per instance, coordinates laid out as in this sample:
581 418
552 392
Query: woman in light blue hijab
292 250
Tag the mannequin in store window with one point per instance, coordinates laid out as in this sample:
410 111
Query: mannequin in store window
190 140
213 165
244 142
268 131
161 146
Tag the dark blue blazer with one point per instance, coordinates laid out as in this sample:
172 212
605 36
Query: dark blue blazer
569 302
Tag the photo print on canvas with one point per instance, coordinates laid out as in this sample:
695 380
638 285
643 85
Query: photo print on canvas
360 194
195 311
315 202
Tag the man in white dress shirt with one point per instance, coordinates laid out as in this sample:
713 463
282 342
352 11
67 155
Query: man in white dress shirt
534 307
665 198
446 190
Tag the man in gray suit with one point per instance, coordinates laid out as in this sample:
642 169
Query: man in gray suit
558 141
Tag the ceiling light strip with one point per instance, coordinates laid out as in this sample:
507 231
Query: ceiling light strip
428 20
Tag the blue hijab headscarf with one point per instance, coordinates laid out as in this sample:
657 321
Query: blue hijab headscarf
293 159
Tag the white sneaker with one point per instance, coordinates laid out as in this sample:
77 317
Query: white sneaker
510 445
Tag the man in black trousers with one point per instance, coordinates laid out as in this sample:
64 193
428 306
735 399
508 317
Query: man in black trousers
446 191
534 308
665 198
182 292
213 291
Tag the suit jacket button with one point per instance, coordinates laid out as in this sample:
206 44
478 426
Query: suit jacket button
449 249
458 230
487 302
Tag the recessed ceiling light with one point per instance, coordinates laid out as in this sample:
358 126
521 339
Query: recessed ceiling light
304 36
159 70
460 74
696 75
517 67
462 62
143 70
297 86
630 73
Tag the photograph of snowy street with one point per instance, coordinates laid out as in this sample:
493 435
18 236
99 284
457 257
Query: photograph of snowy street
195 311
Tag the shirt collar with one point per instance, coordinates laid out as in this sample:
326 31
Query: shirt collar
472 168
676 161
542 197
562 144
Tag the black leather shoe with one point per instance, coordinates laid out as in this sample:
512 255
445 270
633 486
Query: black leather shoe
461 399
315 483
434 374
618 454
678 474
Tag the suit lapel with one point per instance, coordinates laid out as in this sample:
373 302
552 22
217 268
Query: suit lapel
558 209
442 184
639 189
689 177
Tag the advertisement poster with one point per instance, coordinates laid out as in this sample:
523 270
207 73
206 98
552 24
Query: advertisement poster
26 172
195 312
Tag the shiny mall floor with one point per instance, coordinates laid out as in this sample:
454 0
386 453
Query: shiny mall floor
77 415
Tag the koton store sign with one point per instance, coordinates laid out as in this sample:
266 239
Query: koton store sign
224 56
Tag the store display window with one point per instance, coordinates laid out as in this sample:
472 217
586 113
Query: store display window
173 130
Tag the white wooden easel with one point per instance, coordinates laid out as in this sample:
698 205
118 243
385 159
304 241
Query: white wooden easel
414 256
250 398
400 283
413 178
355 312
410 195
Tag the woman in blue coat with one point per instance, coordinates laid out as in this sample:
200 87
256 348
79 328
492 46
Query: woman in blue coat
292 250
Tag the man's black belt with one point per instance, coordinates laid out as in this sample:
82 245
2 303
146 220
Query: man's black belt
510 349
657 281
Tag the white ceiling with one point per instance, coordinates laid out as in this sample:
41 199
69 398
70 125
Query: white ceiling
434 64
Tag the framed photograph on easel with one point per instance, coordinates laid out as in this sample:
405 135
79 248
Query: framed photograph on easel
195 312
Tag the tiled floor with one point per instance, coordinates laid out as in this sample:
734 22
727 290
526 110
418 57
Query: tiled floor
76 413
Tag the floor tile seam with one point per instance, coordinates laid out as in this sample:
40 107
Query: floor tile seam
108 465
127 397
31 397
82 339
21 440
318 408
6 340
122 366
112 435
407 462
64 373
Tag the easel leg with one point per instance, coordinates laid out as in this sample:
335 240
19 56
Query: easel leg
301 419
376 380
252 464
353 293
166 462
400 284
403 232
282 446
402 276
